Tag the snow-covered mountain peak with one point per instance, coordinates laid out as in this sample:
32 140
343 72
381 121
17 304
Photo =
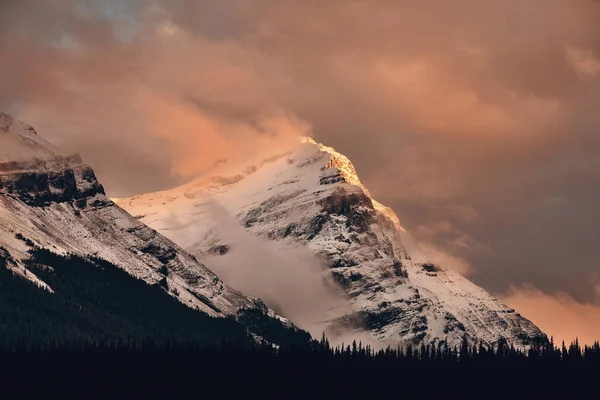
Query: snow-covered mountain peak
339 162
307 139
310 195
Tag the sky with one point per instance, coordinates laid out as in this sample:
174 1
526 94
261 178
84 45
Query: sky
475 120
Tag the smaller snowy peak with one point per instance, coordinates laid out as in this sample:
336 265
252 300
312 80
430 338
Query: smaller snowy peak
20 142
57 203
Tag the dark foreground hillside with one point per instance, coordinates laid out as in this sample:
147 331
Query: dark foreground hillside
96 303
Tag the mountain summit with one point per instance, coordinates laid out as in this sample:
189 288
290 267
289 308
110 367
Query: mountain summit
310 195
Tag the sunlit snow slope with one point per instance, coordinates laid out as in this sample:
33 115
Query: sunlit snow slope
311 195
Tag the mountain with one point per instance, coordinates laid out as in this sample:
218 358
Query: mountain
53 202
310 195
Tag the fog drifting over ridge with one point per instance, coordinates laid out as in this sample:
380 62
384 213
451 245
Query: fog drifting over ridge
475 120
290 280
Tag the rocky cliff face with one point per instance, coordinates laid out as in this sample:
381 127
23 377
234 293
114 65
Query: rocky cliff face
310 195
43 182
35 172
52 201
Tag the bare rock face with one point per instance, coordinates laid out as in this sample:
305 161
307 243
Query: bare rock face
42 183
310 195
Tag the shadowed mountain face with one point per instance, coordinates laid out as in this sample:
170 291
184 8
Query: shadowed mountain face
53 201
310 196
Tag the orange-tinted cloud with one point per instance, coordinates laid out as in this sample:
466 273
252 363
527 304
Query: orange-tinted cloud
558 315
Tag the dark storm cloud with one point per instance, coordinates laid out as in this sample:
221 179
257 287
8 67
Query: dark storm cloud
475 120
